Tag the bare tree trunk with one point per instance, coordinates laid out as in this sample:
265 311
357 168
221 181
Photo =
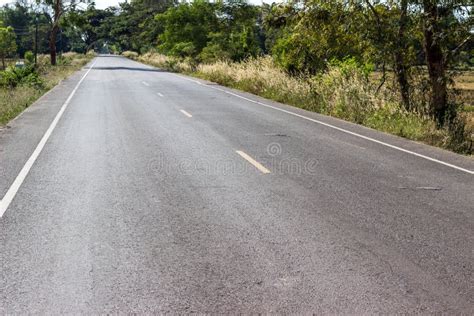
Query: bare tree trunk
401 67
52 44
436 64
57 8
3 62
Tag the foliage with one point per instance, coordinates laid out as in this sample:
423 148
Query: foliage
20 18
133 26
12 77
310 36
27 84
186 28
29 57
130 54
84 28
210 31
7 43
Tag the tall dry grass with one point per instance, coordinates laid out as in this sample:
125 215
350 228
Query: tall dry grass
261 76
166 62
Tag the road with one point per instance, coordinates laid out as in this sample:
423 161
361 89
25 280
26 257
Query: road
157 192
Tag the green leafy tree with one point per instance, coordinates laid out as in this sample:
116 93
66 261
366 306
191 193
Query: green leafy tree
312 33
238 33
7 43
187 26
133 25
210 31
20 18
83 28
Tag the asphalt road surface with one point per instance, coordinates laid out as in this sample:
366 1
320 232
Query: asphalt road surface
154 192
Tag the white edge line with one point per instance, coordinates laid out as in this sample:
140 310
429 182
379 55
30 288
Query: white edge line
10 195
255 163
145 83
185 113
336 128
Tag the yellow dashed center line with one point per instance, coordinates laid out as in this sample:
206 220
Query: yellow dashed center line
185 113
255 163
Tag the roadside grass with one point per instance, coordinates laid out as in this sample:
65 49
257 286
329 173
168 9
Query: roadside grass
345 90
464 84
13 100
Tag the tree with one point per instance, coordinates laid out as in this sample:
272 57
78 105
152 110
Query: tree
7 43
392 35
445 30
314 32
59 8
133 25
186 28
238 34
20 18
401 67
83 28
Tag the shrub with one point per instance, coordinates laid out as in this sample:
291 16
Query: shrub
19 87
130 54
13 77
29 57
90 53
344 91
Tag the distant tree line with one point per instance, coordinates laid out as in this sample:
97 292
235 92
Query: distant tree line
303 37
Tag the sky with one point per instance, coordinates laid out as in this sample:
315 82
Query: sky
102 4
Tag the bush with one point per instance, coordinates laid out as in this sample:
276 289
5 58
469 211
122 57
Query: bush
29 58
13 77
130 54
344 91
19 87
186 65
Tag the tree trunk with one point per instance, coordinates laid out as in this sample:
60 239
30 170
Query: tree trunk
436 64
401 67
3 62
57 8
52 44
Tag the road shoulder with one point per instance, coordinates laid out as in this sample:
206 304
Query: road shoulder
19 138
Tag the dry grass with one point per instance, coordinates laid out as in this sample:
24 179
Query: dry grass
261 76
130 54
463 84
14 100
165 62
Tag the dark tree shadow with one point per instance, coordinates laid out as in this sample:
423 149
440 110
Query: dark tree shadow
129 68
